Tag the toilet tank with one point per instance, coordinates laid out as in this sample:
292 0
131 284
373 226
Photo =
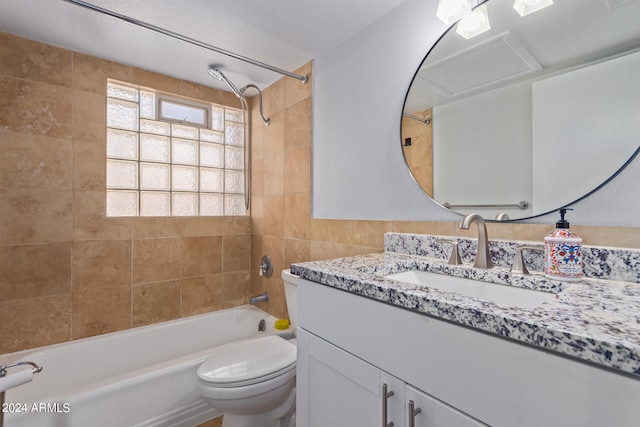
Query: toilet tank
291 295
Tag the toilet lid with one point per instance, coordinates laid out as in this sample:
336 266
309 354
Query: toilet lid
248 361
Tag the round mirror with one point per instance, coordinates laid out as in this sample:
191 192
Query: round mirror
531 115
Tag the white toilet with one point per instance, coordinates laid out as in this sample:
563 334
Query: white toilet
254 381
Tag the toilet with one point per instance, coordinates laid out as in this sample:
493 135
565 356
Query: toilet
253 382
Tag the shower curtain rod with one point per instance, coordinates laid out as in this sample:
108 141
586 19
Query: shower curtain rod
177 36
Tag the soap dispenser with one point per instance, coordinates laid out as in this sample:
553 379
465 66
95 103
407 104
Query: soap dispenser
563 252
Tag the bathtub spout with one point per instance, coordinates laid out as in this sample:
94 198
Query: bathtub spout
259 298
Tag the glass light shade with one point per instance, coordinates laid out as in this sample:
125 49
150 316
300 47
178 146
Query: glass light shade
474 24
449 11
525 7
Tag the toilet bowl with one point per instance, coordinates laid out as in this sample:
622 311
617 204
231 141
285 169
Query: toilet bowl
253 382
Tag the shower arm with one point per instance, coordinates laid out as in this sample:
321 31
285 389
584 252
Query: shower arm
267 120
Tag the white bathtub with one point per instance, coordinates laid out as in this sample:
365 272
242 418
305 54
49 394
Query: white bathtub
139 377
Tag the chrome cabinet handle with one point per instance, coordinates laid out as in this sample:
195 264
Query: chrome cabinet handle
385 395
412 414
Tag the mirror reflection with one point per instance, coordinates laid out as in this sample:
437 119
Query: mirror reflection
530 115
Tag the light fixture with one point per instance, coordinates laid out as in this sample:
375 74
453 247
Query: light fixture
475 23
525 7
449 11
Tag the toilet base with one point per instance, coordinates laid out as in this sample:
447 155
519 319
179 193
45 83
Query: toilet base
282 416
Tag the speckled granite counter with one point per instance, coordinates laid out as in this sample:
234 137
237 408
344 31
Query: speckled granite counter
594 320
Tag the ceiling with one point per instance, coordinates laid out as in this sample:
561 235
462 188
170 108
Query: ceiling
282 33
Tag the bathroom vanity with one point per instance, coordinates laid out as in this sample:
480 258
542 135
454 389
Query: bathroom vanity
374 350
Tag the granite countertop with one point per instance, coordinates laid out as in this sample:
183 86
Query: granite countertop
594 320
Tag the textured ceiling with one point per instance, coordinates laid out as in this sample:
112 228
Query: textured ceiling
282 33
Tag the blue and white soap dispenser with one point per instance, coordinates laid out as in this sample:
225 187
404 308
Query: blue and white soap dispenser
563 252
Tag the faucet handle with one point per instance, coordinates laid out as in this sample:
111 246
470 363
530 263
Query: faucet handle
519 265
266 266
454 258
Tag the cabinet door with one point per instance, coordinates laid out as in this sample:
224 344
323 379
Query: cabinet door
433 413
335 388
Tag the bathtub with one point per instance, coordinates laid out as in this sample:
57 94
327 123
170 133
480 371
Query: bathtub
144 376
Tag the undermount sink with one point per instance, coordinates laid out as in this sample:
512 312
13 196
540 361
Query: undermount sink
503 295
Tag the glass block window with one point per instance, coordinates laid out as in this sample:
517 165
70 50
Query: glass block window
172 157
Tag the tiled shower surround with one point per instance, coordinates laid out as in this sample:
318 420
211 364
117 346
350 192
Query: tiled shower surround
67 271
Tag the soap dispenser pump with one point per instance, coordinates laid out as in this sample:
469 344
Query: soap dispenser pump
563 252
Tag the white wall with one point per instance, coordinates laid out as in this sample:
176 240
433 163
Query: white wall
358 168
583 121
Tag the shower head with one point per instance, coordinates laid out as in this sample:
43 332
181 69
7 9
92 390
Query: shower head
217 74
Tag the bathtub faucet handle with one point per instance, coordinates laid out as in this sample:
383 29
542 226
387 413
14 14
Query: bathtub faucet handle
266 266
259 298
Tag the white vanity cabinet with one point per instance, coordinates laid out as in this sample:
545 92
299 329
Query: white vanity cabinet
350 345
338 389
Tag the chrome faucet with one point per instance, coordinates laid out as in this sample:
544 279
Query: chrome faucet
483 256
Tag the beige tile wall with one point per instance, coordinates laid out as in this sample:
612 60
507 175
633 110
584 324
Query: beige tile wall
281 223
67 271
419 155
